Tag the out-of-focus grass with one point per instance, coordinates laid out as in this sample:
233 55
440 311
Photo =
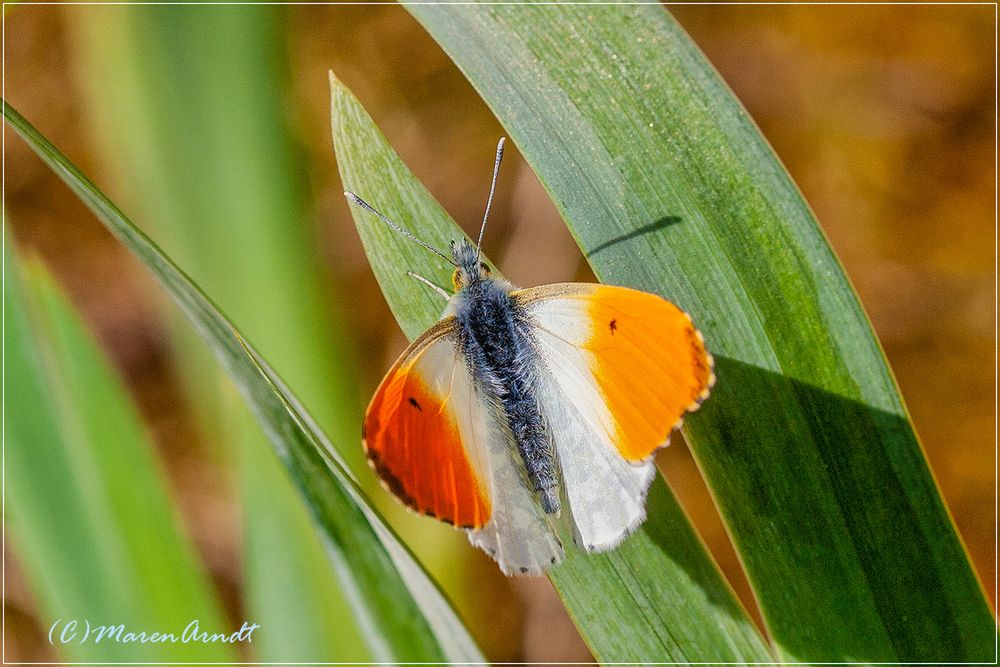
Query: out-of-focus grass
189 106
88 513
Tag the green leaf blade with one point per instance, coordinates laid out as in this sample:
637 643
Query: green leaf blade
658 596
668 186
401 612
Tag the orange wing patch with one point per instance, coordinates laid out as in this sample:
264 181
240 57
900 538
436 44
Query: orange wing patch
413 441
646 357
650 364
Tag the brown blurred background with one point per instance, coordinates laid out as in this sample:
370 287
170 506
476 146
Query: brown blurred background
884 115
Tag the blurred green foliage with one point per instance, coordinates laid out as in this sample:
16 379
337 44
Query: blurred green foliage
88 513
195 129
402 615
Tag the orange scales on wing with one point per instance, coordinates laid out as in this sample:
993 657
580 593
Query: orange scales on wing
414 444
650 364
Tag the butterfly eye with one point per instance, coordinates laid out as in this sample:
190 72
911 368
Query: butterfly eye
456 280
485 269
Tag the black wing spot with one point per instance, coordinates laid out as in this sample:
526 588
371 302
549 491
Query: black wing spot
415 404
613 325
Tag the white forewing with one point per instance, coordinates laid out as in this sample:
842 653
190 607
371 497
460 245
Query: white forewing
605 493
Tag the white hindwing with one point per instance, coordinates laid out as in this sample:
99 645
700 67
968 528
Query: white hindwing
518 535
605 493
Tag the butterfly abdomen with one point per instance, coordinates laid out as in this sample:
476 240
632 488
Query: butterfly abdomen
494 339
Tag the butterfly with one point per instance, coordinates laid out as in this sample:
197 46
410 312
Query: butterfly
528 416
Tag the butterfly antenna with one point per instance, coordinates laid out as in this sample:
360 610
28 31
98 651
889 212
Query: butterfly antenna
371 209
489 201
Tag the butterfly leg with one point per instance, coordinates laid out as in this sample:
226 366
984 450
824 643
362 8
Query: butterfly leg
436 288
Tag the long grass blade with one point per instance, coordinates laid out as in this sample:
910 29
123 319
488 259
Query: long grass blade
807 448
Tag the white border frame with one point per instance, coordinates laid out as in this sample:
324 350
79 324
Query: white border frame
3 318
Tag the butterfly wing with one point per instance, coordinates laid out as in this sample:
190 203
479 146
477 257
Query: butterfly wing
412 436
620 368
519 535
444 450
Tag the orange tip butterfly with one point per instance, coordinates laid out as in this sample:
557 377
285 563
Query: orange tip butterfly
526 416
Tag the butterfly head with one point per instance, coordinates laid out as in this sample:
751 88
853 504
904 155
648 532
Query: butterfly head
469 269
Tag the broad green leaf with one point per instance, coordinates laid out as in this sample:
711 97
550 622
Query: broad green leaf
222 186
89 516
401 612
657 597
805 444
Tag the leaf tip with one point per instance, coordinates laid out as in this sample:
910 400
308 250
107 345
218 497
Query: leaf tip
336 85
338 94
